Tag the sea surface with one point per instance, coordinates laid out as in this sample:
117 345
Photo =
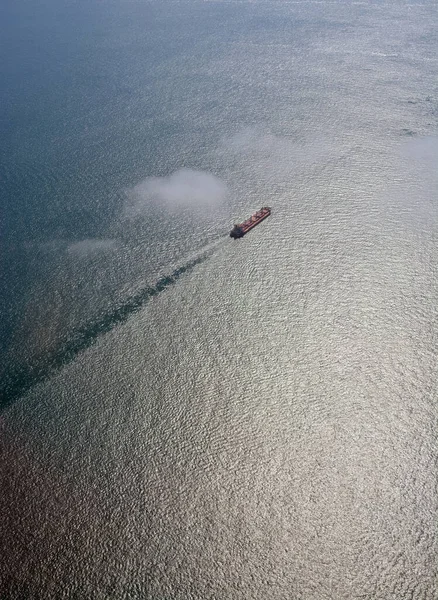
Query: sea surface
189 417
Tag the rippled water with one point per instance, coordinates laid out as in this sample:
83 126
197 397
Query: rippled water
188 416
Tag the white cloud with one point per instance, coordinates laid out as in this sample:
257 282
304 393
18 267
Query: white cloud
185 188
275 157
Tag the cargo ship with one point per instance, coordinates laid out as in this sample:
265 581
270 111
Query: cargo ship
239 230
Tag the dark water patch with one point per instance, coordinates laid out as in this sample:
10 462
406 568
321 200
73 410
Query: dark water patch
21 379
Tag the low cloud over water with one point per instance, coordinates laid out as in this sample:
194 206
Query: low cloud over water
185 188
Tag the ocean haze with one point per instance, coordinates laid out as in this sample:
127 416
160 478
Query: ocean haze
189 416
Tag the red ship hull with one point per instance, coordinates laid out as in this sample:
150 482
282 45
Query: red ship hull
239 230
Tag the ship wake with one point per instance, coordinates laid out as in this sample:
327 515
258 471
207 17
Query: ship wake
19 381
